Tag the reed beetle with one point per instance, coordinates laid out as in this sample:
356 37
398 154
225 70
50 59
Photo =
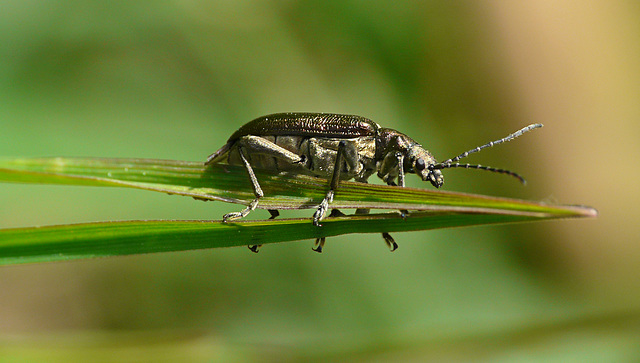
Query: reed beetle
336 147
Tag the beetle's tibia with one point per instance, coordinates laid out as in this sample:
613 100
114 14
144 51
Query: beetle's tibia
322 209
391 243
319 244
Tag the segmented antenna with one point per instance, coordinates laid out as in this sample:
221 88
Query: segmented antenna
452 163
481 167
504 139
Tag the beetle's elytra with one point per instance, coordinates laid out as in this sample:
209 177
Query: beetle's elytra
336 147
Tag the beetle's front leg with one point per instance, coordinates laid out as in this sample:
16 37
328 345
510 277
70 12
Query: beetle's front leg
335 180
403 212
400 158
389 169
392 167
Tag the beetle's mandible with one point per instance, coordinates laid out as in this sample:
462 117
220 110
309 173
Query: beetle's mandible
335 147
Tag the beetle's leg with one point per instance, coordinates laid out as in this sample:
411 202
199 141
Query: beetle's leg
257 191
400 158
363 179
322 209
391 243
362 210
319 244
403 212
320 241
260 145
388 170
256 248
387 173
335 180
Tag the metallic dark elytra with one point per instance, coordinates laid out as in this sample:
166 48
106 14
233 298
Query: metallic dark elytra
336 147
308 124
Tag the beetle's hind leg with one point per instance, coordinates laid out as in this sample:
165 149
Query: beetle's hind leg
257 191
258 145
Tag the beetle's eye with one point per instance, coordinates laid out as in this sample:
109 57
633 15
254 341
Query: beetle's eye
420 164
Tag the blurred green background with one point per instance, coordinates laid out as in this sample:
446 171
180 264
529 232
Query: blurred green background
173 79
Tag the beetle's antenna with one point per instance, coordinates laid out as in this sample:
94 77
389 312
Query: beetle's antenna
504 139
481 167
452 163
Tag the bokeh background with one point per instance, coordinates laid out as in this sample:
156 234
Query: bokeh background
173 79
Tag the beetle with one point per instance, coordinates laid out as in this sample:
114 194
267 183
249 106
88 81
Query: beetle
336 147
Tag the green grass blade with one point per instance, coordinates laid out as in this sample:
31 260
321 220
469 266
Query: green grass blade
38 244
432 209
231 184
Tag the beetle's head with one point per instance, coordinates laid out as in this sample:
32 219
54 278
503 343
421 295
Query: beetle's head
394 145
421 162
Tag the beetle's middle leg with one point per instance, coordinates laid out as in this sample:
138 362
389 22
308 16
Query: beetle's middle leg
335 180
392 169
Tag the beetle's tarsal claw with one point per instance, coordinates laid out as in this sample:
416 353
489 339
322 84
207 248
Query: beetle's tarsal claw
391 243
322 209
254 248
241 214
231 216
319 244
